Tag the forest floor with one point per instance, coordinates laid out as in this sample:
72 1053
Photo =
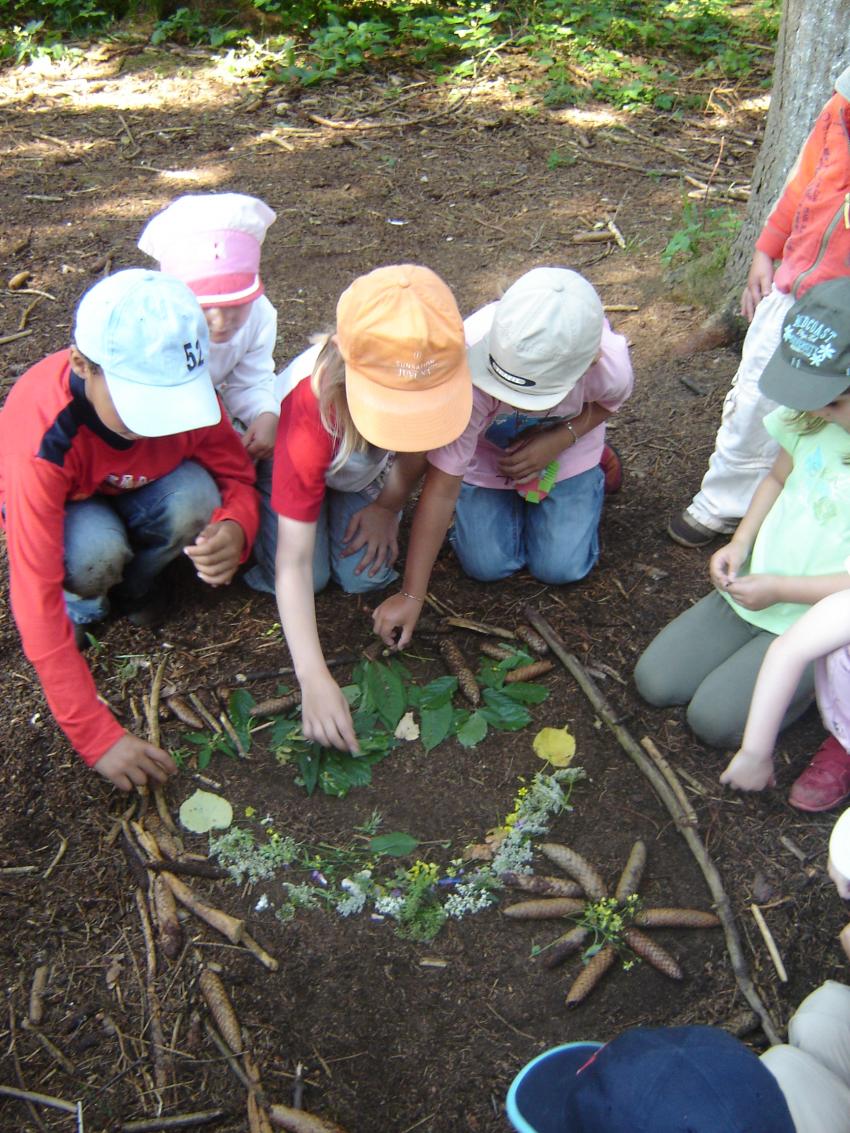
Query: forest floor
390 1034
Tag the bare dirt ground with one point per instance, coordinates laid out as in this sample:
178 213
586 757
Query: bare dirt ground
391 1035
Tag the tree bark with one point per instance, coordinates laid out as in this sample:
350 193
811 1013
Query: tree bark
813 48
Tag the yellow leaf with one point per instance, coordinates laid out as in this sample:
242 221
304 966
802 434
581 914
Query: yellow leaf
556 745
249 812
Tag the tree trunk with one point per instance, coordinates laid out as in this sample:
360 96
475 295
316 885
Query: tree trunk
812 50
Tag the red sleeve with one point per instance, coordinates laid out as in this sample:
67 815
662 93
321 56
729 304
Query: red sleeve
35 517
302 455
222 453
778 226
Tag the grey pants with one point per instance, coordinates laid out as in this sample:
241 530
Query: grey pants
709 658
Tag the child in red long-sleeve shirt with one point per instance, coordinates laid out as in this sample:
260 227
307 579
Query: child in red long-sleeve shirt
115 459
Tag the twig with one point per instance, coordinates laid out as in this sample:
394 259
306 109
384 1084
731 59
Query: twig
24 319
178 1121
288 670
204 713
690 384
37 989
481 627
400 124
233 1062
662 789
767 937
38 1099
161 1062
668 773
267 960
14 337
154 736
60 854
233 734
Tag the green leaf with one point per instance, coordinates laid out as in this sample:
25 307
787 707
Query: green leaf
525 693
436 723
239 706
386 693
204 811
309 765
341 771
283 731
473 731
438 692
396 845
502 712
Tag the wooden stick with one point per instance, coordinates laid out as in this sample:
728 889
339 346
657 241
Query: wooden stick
177 1121
230 927
767 937
689 833
264 957
668 773
481 627
154 736
38 1099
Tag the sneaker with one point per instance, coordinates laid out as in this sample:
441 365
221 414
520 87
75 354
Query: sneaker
688 532
826 781
611 464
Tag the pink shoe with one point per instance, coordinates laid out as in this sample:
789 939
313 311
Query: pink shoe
611 464
826 781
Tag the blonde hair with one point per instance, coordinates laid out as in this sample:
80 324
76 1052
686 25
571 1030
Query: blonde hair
328 384
806 422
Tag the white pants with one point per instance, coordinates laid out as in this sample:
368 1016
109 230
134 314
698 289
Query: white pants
743 449
813 1068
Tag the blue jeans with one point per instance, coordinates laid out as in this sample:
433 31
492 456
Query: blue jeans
123 542
328 559
497 533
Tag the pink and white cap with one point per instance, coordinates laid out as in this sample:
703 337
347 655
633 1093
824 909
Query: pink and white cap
212 242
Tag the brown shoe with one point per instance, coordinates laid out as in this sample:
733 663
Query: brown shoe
688 532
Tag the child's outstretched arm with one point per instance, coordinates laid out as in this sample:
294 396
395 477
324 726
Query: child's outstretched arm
395 619
325 715
374 529
822 629
724 564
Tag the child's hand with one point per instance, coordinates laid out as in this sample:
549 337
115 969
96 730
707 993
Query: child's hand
842 883
325 714
844 937
755 591
395 620
217 551
133 762
529 455
759 284
723 566
749 771
374 530
260 436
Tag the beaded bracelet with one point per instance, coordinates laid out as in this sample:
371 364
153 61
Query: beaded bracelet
573 433
405 594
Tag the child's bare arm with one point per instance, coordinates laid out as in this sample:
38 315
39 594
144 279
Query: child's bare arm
822 629
725 563
132 762
759 283
325 715
430 523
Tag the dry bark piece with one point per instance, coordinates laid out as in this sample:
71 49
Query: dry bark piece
457 666
529 672
544 908
532 639
19 279
653 953
222 922
663 917
170 929
37 990
632 874
184 712
277 705
297 1121
565 945
541 885
590 975
577 867
221 1009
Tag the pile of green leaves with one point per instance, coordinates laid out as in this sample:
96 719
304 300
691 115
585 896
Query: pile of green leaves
380 695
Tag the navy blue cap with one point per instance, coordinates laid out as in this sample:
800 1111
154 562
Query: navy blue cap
650 1080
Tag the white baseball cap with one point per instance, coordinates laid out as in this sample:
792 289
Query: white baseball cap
545 334
148 334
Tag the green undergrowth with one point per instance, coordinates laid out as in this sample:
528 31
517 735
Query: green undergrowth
624 52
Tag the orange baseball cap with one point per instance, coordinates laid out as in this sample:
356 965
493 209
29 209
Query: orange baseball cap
407 381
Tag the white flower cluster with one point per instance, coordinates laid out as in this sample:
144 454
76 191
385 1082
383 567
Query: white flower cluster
469 897
514 855
357 889
390 905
